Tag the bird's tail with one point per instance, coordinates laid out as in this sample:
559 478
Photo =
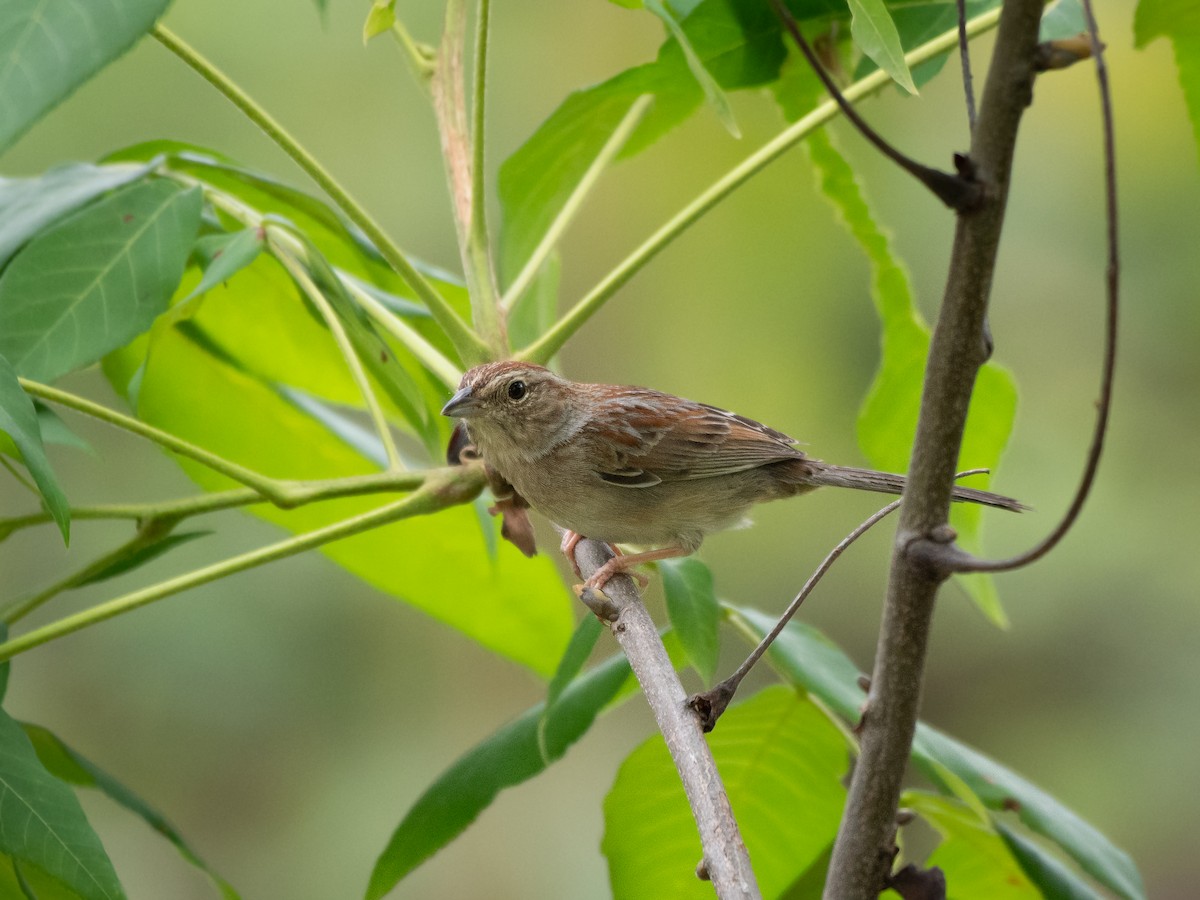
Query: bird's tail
885 483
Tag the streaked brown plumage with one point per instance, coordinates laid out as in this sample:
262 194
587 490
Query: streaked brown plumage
628 465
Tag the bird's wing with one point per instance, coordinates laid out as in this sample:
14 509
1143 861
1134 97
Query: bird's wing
646 438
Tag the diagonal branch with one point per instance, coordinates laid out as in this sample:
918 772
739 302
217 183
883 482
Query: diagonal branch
726 862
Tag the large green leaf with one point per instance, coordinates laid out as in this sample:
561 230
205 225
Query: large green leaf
510 756
1178 20
27 205
41 821
809 660
888 418
781 761
96 279
19 420
1053 879
875 34
231 402
48 48
64 763
971 854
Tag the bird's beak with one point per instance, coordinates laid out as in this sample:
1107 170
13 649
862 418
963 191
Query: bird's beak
462 405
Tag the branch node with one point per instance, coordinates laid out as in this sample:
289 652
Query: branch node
710 705
1063 53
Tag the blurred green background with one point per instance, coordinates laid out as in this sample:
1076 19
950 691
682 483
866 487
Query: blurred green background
286 718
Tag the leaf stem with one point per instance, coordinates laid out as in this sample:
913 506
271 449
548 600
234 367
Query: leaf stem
574 202
269 488
300 275
553 340
469 345
442 488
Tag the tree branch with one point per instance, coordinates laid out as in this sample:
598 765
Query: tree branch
726 862
864 848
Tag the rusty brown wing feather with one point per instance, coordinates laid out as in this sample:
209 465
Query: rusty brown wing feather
651 437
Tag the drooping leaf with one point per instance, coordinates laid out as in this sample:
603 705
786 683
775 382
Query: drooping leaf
48 49
583 641
96 279
505 759
41 821
73 768
225 255
875 34
776 751
223 395
27 205
808 659
141 556
972 855
19 420
1178 20
1053 879
695 614
56 431
888 418
380 19
712 91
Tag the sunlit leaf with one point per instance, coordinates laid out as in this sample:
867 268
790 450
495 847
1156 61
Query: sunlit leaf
973 857
888 418
776 751
229 402
41 821
71 767
507 758
96 279
1178 20
809 660
48 49
695 615
19 420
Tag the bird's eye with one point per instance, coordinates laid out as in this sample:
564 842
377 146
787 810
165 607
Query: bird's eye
516 390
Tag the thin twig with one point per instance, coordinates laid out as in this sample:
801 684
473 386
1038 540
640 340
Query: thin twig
964 53
726 861
955 559
956 191
712 703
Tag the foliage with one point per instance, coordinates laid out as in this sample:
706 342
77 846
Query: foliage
294 360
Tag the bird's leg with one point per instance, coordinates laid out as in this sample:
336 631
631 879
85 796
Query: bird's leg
619 565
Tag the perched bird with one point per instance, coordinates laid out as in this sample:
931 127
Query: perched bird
628 465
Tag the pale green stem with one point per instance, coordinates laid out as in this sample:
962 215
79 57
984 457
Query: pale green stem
428 355
489 318
300 275
420 57
552 341
466 341
443 488
574 202
268 487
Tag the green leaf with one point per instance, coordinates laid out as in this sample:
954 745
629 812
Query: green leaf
1053 879
776 751
49 49
19 420
875 34
55 430
887 420
73 768
583 641
695 614
507 758
1062 19
1178 20
974 858
712 91
141 556
27 205
6 666
809 660
41 821
96 279
438 564
380 19
28 881
225 255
